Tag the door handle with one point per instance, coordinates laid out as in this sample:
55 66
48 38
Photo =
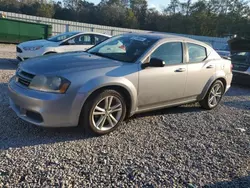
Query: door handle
210 67
180 70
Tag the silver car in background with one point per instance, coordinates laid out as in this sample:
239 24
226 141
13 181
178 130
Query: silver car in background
119 77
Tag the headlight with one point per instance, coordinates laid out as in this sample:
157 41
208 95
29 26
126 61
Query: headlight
32 48
53 84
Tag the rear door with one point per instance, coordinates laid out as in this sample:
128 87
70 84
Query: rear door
200 70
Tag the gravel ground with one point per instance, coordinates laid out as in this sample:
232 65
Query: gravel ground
7 52
177 147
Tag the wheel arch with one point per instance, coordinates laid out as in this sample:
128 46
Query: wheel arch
122 90
49 52
223 80
125 87
209 84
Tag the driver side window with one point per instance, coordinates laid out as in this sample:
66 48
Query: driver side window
171 53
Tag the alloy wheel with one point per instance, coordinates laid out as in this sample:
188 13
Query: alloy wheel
215 95
107 113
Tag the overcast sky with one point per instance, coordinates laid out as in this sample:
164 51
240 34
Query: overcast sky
158 4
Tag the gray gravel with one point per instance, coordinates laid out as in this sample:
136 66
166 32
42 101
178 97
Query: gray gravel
7 53
177 147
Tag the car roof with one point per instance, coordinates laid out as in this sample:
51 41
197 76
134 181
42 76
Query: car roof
159 36
90 32
72 32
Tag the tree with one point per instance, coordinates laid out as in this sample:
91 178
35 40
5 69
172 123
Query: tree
173 7
130 19
185 7
210 17
45 10
71 4
139 8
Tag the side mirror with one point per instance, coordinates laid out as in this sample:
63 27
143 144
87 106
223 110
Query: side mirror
154 62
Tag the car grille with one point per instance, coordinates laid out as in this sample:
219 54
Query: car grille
24 78
19 50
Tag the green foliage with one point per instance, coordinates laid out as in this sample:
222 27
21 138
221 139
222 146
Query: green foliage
45 10
210 18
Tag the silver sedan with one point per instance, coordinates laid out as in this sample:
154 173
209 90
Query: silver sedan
119 77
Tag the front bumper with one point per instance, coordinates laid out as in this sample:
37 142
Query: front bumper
28 54
45 109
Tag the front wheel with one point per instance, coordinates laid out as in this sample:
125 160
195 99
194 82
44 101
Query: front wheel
213 96
103 112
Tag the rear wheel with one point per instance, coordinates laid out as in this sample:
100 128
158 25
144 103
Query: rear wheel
103 112
213 96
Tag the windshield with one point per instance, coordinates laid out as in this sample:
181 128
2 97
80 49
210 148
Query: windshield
61 37
126 48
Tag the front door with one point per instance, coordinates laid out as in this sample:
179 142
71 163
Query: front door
77 43
162 85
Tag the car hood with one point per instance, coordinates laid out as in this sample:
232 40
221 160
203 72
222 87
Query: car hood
37 43
66 62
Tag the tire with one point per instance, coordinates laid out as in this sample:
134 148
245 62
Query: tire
102 123
209 103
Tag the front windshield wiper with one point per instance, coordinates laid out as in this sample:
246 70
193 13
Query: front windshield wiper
98 54
106 56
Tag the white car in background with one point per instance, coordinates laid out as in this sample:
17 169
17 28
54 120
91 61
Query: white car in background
65 42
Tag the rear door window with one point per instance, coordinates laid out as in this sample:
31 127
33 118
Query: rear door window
197 53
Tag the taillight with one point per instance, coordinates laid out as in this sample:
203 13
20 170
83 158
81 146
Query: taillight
231 67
